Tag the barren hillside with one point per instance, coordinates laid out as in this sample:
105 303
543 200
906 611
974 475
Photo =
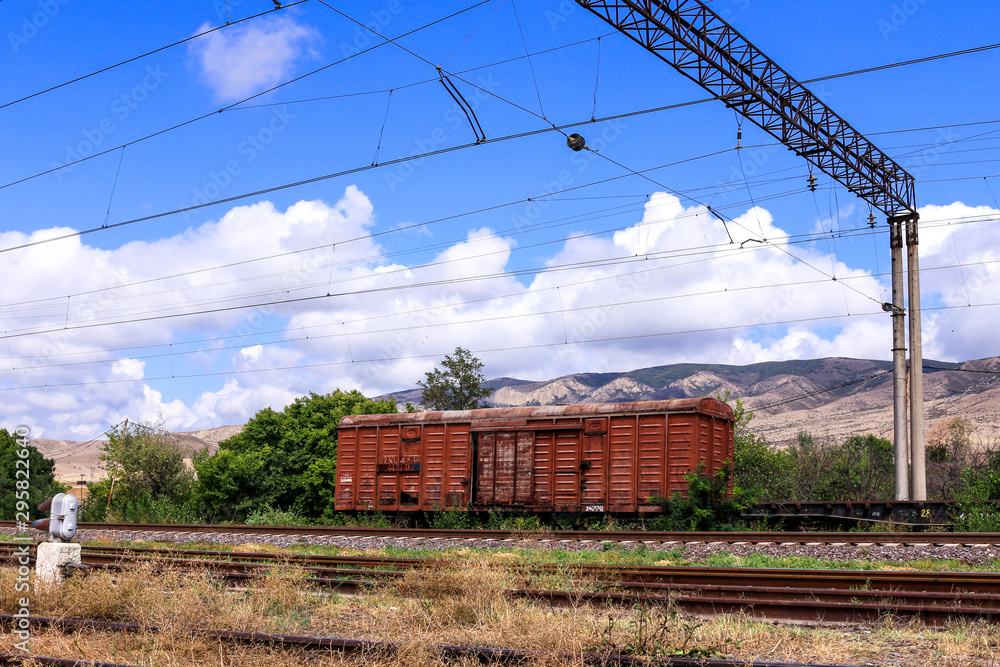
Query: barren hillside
832 398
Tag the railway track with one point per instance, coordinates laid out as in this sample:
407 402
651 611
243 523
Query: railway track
934 598
487 655
917 539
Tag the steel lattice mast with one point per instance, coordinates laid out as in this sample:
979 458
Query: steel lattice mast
705 48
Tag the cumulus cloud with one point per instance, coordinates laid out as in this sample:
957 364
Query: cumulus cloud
252 354
250 57
130 368
323 313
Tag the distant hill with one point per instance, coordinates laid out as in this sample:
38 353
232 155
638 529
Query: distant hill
833 397
830 398
80 460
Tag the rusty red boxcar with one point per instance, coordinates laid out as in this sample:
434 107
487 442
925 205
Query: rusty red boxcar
609 457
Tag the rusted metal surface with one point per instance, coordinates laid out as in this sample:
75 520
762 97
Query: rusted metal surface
23 658
492 416
934 598
486 654
609 457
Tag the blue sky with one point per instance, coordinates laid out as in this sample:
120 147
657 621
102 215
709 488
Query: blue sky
540 260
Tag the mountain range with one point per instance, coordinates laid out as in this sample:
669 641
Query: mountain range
830 398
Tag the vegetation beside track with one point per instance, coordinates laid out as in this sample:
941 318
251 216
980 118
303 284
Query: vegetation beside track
608 554
466 605
281 470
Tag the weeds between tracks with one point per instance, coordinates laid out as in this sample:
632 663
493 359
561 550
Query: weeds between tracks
465 604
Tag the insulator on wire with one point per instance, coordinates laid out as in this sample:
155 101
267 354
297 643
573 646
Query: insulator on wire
576 142
871 219
812 182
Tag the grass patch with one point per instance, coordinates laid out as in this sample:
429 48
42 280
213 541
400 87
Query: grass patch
612 554
454 603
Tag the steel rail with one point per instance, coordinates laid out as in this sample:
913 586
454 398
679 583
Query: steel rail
638 537
21 658
484 653
934 598
941 582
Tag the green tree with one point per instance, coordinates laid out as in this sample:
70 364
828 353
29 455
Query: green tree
761 472
949 454
862 469
147 477
281 460
39 471
456 385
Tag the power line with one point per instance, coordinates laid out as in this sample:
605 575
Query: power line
371 235
824 390
231 106
673 253
148 53
467 279
560 343
914 61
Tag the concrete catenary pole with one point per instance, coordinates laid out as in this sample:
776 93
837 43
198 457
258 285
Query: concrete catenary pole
917 469
898 310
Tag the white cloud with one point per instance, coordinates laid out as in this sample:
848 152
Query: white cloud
252 354
130 368
247 58
722 305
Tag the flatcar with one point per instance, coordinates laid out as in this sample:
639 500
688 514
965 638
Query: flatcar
599 458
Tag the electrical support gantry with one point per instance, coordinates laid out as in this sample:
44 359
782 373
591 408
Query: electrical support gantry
702 46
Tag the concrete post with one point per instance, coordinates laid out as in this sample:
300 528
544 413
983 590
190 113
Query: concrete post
52 556
898 309
917 463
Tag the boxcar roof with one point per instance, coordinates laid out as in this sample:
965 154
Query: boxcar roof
708 406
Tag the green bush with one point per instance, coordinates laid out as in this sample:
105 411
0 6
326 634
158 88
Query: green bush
498 520
270 516
708 506
974 510
452 518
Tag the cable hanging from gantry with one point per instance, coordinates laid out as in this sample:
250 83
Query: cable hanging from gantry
463 104
381 133
531 67
597 82
107 214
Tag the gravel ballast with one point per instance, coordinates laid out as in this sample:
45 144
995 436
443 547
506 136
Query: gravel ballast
696 551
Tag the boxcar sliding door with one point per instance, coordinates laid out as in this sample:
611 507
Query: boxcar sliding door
505 467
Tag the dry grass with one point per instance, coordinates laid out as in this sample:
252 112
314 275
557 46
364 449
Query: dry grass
253 548
465 604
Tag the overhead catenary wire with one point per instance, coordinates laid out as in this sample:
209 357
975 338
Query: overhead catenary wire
292 300
527 53
233 105
457 323
241 104
402 228
790 239
148 53
561 129
383 360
